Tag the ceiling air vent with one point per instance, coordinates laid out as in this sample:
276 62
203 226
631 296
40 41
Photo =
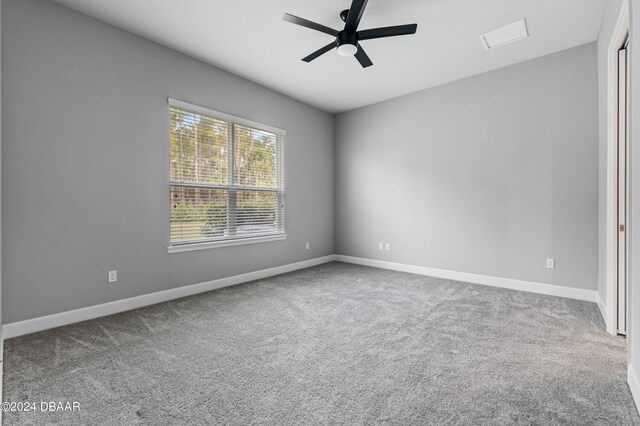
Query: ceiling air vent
505 35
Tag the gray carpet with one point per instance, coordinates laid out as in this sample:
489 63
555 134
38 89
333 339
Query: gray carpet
333 344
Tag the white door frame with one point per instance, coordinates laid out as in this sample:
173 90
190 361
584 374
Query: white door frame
620 34
623 126
1 334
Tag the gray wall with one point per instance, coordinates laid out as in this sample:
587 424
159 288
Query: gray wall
85 163
488 175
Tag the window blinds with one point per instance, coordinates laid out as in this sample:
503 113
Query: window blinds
227 177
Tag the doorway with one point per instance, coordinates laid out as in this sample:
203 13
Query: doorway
622 173
615 306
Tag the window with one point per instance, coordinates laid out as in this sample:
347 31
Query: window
226 179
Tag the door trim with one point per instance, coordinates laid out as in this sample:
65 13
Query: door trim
620 34
623 195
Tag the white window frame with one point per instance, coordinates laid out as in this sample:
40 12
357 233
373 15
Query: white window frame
231 120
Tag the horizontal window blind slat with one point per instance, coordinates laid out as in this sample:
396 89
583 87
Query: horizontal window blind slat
229 187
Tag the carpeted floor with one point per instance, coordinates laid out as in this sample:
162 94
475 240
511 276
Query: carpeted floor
333 344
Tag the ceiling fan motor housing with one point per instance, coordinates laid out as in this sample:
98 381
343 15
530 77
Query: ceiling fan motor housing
347 43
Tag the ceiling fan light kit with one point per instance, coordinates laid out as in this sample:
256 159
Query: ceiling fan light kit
347 50
347 43
347 40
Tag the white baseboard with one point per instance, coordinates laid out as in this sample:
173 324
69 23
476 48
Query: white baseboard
605 315
532 287
634 385
64 318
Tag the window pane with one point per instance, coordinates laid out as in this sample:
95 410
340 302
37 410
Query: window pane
213 168
198 148
256 212
198 214
255 157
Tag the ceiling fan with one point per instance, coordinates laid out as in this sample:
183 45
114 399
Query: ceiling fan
347 40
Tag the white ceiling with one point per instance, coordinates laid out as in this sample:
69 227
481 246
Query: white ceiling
250 39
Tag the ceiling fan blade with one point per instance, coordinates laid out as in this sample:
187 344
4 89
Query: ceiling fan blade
320 52
309 24
362 57
397 30
355 14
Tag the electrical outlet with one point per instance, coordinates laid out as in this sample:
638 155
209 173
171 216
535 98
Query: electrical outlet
307 246
379 246
551 263
113 276
386 247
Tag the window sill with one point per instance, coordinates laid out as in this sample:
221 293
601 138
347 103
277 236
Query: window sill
225 243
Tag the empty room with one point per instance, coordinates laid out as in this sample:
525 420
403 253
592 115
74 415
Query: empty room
345 212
